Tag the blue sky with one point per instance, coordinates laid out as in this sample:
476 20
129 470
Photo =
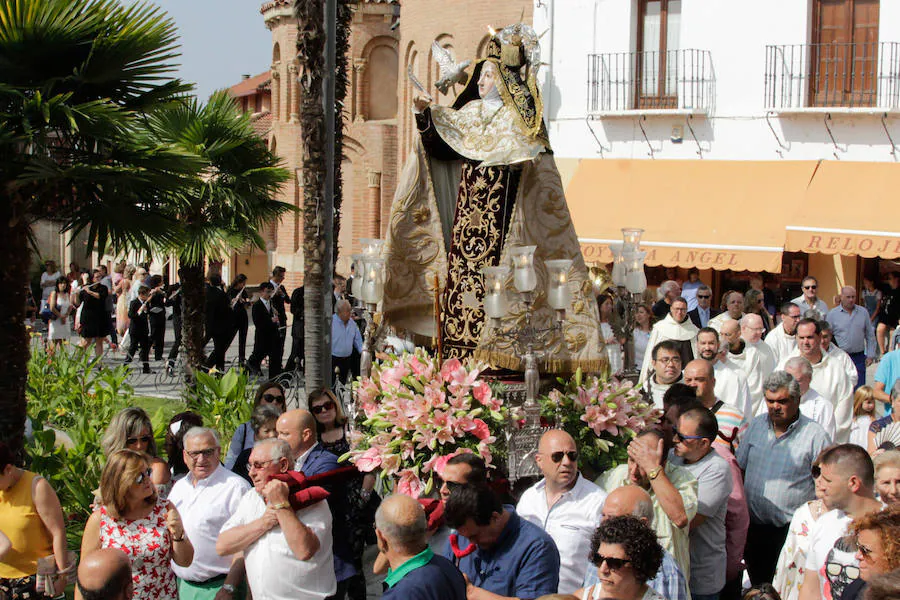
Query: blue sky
220 41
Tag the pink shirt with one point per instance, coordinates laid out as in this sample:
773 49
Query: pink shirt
737 517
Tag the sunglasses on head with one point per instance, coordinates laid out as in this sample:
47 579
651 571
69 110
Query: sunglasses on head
272 398
319 409
614 564
144 439
558 456
143 475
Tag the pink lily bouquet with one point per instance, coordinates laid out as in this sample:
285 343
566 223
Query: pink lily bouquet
602 415
417 414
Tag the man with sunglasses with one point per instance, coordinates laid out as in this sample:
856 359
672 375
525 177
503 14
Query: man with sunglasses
564 504
845 476
206 498
783 338
809 299
693 438
704 311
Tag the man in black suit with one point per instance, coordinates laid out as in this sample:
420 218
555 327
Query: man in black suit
297 329
139 328
174 299
279 299
267 341
218 320
701 315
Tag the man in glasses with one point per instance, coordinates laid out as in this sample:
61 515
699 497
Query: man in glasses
703 312
847 483
676 327
564 504
693 438
809 299
666 362
783 338
206 498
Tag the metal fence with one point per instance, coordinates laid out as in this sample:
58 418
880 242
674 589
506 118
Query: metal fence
851 75
651 80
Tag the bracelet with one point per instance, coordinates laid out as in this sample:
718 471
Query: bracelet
280 505
178 539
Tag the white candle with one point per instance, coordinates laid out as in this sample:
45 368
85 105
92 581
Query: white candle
525 279
560 297
368 292
494 306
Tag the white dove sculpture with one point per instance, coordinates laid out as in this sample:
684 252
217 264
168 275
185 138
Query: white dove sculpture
452 72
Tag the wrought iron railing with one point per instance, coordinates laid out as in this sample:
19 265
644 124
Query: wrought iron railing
651 80
850 75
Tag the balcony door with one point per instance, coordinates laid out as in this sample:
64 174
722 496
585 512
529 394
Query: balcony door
658 64
844 53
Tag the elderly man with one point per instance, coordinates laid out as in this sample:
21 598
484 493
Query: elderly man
831 377
416 572
287 553
847 485
703 312
809 300
206 498
512 557
666 362
731 385
776 454
632 500
853 332
564 504
669 290
346 341
734 310
812 404
749 355
671 487
700 375
677 328
783 338
298 428
694 436
104 575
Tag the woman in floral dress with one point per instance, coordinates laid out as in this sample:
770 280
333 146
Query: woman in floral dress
134 519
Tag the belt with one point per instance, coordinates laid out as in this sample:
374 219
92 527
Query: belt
211 581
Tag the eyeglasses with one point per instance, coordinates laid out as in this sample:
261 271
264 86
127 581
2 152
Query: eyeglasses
676 433
258 465
205 453
669 360
144 439
558 456
272 398
613 563
143 475
704 297
316 410
810 287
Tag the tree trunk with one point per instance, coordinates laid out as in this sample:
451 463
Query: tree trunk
14 346
311 60
341 85
193 316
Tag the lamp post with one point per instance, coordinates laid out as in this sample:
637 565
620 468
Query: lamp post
634 281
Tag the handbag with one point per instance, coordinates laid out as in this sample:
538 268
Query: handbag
51 582
47 314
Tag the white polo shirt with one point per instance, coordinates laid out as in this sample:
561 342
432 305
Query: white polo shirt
570 522
204 508
273 571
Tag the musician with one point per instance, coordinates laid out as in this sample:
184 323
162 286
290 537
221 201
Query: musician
157 312
94 321
267 341
174 298
218 320
139 327
239 300
279 299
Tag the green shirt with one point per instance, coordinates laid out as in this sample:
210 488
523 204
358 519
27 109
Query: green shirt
419 560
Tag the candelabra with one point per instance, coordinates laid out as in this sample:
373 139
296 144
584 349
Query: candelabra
369 291
630 281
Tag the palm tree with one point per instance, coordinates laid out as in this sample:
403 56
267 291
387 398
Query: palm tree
73 76
226 203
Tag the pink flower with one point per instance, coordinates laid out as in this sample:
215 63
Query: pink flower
390 463
450 367
438 463
410 484
482 392
392 377
481 430
367 392
369 460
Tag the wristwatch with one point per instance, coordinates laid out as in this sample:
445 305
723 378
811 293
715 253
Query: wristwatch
654 473
280 505
228 588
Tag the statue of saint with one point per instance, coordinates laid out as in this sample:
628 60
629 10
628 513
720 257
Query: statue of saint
481 180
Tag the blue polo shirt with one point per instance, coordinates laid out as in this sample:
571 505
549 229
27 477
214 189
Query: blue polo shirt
524 563
426 576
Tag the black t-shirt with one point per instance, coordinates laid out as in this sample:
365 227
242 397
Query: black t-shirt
890 313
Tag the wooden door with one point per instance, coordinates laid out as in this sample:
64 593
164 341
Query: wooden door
657 65
844 53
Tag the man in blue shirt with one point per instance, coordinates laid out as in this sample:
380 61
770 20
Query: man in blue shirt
346 341
512 558
415 572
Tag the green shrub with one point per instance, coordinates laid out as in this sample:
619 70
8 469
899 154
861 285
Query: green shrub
224 403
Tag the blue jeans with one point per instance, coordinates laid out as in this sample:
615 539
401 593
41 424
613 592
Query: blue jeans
859 361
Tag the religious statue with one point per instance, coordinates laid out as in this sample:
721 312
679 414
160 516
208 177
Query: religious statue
481 179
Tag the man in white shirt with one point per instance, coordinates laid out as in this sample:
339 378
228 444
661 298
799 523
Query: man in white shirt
287 553
206 498
346 341
564 504
809 299
734 310
830 376
745 352
676 327
846 483
783 339
812 404
731 385
838 354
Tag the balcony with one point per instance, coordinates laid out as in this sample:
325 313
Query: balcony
651 82
852 77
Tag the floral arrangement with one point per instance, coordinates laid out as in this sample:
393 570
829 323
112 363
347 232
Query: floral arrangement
417 414
602 415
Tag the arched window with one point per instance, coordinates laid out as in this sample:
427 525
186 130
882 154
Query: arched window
381 90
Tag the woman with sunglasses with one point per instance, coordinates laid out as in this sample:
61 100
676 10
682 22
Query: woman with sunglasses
269 392
754 303
136 520
131 428
627 556
877 549
263 421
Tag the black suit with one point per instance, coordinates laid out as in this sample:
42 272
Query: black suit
694 315
139 330
267 341
175 302
218 324
279 299
297 328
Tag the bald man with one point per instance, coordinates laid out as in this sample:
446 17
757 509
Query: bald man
564 504
415 571
733 303
700 375
749 354
633 500
104 575
853 332
298 428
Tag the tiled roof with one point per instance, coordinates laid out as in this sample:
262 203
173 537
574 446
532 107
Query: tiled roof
262 124
251 85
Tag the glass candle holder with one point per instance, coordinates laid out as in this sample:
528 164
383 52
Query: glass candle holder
524 277
618 268
371 246
635 278
359 270
632 237
373 281
559 295
495 305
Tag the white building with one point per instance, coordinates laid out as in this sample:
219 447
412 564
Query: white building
760 136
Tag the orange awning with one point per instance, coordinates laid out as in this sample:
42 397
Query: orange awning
849 209
705 214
